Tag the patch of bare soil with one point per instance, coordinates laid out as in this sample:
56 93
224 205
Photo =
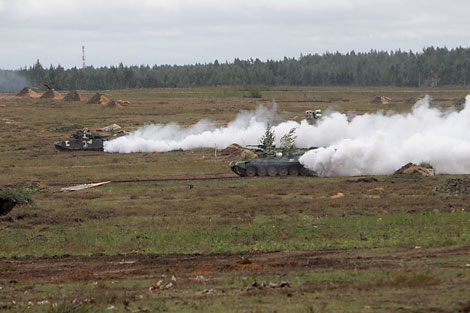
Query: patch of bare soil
68 268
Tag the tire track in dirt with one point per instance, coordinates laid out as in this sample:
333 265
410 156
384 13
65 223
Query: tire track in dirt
69 268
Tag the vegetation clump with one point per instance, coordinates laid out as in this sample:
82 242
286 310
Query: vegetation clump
254 92
19 195
288 141
267 140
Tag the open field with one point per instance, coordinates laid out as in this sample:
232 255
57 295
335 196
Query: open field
178 232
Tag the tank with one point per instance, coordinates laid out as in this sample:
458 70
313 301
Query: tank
85 140
272 163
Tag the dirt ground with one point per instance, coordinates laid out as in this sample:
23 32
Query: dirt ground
69 268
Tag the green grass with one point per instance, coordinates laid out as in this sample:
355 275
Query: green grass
203 234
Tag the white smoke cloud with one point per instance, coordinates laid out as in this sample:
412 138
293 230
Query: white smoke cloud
247 128
369 144
374 144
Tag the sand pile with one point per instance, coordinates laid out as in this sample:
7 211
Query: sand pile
99 98
414 170
238 151
51 94
455 186
28 92
74 96
232 150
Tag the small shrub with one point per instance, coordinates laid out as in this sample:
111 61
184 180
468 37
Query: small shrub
267 141
288 141
425 165
21 195
254 92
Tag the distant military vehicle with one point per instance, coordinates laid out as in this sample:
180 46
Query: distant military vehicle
312 116
272 162
85 140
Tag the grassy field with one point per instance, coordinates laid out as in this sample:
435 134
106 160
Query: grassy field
178 232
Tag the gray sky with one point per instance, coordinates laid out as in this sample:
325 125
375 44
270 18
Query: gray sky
189 31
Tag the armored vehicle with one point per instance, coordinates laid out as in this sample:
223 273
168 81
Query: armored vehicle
272 163
85 140
312 116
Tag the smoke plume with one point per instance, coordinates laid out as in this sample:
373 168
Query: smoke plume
369 144
374 144
247 128
11 81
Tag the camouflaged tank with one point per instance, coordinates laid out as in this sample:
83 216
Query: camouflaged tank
85 140
272 163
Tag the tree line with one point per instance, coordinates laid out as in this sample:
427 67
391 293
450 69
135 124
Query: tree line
431 67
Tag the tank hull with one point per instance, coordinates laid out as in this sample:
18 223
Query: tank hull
78 145
270 167
85 141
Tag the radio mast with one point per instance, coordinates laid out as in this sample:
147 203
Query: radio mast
83 56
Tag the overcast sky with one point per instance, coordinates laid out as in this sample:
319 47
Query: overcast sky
201 31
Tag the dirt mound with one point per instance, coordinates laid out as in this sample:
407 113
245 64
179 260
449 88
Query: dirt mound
28 92
99 98
233 150
455 186
51 94
74 96
414 170
381 100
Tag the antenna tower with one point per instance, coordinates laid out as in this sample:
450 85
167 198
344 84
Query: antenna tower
83 56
